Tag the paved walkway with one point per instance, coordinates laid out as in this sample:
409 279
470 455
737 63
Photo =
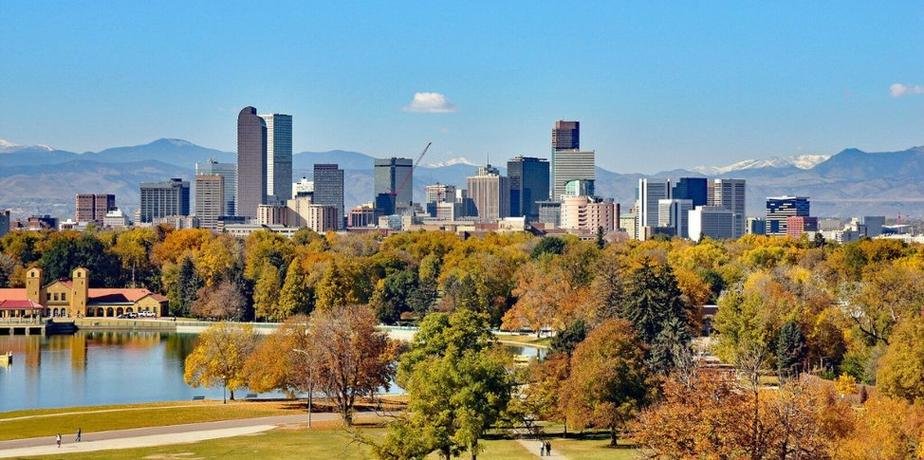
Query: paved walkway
152 436
532 445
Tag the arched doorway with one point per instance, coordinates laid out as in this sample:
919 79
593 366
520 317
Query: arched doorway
109 312
100 312
119 311
128 310
54 312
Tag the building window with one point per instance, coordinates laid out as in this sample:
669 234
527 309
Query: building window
54 296
63 296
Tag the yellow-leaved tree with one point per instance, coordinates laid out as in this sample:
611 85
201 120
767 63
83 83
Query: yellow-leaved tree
219 357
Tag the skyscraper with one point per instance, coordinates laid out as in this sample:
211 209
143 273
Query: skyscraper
673 213
712 221
780 208
566 135
251 162
569 165
650 191
529 184
692 188
490 192
328 188
278 156
392 174
162 199
210 199
92 207
729 194
228 172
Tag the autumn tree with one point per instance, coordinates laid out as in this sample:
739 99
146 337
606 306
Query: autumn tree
185 288
297 293
219 357
266 294
457 384
901 369
886 428
609 381
223 302
353 358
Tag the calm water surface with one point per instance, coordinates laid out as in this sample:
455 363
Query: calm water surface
92 368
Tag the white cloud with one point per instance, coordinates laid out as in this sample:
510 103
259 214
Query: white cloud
901 89
430 103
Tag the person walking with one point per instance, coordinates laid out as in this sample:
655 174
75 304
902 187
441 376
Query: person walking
541 448
78 435
548 447
58 439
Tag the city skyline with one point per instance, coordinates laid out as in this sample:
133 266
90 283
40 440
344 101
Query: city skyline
660 84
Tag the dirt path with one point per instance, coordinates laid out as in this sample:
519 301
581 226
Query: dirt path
532 445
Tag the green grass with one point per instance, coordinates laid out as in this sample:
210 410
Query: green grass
594 447
325 440
46 422
528 339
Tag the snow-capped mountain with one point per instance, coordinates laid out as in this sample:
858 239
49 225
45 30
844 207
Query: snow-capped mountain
797 161
7 146
451 162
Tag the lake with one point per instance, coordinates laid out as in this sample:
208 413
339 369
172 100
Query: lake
93 368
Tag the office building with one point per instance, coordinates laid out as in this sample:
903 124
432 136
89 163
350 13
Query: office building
579 187
673 213
529 184
115 218
873 225
304 187
439 193
566 135
569 165
92 207
393 184
4 222
694 189
627 223
251 162
756 226
490 193
301 212
796 226
328 189
278 156
729 194
585 215
550 213
650 192
363 216
710 221
210 199
228 172
782 207
272 214
162 199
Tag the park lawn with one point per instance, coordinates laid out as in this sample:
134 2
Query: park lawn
47 422
324 440
594 447
526 339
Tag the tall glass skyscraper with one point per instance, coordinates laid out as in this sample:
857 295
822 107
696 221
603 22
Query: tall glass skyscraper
568 161
691 188
228 172
529 184
278 156
251 162
390 175
328 188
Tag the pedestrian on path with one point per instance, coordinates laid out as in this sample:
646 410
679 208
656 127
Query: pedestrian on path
548 447
78 435
541 448
58 439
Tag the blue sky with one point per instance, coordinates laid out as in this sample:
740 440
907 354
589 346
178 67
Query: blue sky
656 85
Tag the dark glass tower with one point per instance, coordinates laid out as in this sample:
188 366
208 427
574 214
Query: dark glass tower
691 188
251 162
529 184
328 188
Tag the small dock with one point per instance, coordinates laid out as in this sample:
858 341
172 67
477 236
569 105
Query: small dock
8 327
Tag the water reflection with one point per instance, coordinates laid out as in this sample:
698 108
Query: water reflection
91 368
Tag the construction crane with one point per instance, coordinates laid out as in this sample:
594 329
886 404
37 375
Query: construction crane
407 178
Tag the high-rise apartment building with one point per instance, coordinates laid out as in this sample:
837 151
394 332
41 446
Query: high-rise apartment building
782 207
393 184
278 156
729 194
490 192
228 172
587 215
302 212
210 199
304 187
251 162
694 189
328 189
529 184
92 207
650 192
162 199
673 213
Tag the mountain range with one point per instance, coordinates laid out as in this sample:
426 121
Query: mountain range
42 179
